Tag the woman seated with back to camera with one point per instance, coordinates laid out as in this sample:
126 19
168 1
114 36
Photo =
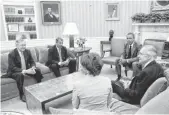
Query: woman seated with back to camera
93 92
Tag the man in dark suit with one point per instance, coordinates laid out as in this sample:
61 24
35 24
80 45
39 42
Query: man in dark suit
21 63
129 56
49 17
58 57
150 72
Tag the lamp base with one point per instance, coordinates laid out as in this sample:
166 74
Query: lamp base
71 41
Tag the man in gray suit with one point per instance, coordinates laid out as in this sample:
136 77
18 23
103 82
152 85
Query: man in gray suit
129 56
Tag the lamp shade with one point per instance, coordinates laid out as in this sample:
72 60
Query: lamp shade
168 39
71 29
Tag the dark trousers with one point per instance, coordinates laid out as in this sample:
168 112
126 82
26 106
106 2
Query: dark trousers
19 78
134 66
55 67
118 88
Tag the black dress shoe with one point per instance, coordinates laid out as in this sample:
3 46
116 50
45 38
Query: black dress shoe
23 98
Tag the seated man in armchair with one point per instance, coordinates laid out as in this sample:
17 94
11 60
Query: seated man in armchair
58 57
150 72
129 57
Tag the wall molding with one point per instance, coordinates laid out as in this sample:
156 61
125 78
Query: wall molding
93 42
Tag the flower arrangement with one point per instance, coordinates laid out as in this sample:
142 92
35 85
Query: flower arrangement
81 41
139 17
154 17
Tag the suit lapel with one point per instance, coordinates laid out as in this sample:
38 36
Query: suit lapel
55 51
151 63
17 55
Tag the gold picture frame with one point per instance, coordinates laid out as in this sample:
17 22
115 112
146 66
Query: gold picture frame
112 11
158 5
51 12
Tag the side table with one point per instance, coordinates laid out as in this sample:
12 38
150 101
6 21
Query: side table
78 52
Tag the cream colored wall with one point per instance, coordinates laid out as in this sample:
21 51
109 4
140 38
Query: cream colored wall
2 26
90 18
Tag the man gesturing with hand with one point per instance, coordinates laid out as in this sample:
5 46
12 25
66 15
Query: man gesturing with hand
58 57
21 64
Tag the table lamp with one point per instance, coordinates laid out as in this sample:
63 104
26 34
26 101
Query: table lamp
168 39
71 31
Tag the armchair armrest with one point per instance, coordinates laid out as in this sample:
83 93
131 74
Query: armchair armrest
105 46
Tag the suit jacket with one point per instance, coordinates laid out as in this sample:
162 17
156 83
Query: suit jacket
53 55
134 52
48 18
142 81
14 61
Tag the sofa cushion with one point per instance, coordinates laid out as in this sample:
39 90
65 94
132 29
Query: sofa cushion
158 105
70 53
43 54
4 62
122 107
33 53
7 81
8 89
60 111
157 87
44 69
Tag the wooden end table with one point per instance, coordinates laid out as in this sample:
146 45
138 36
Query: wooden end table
38 95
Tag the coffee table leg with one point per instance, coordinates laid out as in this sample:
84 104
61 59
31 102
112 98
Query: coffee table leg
33 104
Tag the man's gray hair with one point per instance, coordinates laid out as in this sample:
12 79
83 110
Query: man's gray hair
151 51
20 38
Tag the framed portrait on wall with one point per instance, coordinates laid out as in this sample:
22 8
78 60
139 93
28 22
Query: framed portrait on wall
112 11
159 5
51 12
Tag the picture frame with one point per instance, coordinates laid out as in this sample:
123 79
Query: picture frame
51 12
13 27
159 6
112 11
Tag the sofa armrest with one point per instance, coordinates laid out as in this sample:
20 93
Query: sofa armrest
105 46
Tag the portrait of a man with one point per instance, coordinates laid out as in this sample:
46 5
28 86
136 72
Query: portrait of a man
50 17
50 12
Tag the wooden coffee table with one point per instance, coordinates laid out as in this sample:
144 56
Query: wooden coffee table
39 94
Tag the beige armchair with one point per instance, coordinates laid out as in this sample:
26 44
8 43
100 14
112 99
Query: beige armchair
114 48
